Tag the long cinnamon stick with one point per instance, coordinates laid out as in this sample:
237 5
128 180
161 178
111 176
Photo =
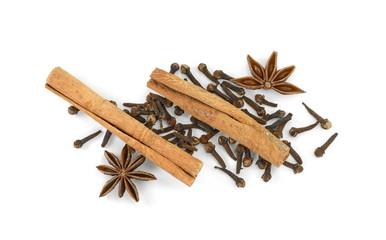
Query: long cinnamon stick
167 156
220 114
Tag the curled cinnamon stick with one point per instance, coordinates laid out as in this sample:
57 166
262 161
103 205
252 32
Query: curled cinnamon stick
167 156
220 115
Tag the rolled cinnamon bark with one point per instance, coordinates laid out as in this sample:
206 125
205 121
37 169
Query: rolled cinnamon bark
219 114
167 156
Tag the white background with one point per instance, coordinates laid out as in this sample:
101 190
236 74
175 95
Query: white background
49 190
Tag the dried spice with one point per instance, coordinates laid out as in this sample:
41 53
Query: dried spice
122 172
268 77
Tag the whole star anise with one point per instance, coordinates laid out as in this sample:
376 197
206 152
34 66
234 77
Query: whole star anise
268 77
123 172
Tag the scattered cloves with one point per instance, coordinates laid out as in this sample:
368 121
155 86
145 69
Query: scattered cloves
256 118
204 69
219 74
324 122
295 131
135 111
185 69
106 138
150 121
259 110
223 141
72 110
280 121
236 101
138 118
297 168
79 143
145 106
164 130
238 90
267 172
319 152
239 151
277 114
190 140
261 99
247 160
178 111
239 181
210 148
213 89
261 163
174 68
293 153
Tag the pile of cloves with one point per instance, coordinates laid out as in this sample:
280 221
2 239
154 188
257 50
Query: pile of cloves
156 113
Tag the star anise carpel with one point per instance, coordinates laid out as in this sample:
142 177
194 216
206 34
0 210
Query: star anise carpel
122 172
268 77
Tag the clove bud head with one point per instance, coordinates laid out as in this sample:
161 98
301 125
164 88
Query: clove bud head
202 67
326 124
247 162
209 147
185 68
319 152
298 169
222 140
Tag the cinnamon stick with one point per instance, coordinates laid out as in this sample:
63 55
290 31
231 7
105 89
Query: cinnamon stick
167 156
220 115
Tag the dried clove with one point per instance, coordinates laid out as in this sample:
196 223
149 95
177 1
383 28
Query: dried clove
238 90
174 68
190 140
185 69
204 69
219 74
319 152
223 141
293 153
213 89
295 131
279 122
261 99
204 139
277 114
256 118
247 160
267 172
239 181
236 101
203 126
150 121
138 118
297 168
135 111
210 148
261 163
79 143
164 130
72 110
259 110
145 106
239 151
178 111
106 138
324 122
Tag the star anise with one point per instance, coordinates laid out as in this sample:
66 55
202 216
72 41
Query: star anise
123 172
268 77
